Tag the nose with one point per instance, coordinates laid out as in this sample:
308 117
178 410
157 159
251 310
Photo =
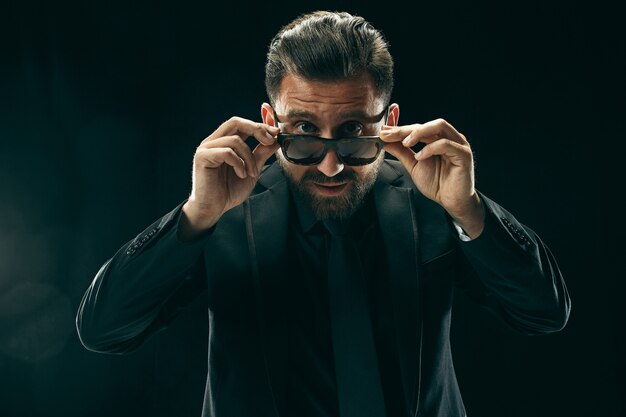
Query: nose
330 165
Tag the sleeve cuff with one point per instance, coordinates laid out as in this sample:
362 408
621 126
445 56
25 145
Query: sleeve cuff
462 235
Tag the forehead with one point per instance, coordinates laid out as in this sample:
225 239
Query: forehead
325 99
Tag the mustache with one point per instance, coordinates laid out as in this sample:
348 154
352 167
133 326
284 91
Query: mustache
320 178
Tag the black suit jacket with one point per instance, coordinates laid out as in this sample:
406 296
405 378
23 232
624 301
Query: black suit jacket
241 261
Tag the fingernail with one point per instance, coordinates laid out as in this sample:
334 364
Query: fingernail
406 140
274 128
269 137
418 155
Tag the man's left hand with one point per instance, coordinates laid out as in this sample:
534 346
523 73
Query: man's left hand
443 170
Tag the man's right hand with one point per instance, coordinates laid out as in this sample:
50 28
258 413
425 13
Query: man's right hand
225 171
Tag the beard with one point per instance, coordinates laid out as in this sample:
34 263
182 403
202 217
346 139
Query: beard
339 207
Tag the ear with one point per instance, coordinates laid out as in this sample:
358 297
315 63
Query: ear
394 114
267 114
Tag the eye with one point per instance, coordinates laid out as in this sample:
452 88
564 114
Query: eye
306 127
352 128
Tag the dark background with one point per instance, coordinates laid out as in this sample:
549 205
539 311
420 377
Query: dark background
102 105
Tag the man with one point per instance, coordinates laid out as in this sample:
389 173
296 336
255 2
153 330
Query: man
330 272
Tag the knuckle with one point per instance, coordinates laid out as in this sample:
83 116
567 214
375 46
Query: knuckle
232 122
234 140
241 145
454 145
200 153
439 145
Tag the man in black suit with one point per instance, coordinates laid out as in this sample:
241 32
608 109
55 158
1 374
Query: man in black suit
329 272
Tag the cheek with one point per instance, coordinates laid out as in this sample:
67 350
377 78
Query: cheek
362 172
367 173
295 172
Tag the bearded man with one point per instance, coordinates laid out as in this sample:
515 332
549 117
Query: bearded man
329 272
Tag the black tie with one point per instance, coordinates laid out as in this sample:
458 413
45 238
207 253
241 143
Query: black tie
356 366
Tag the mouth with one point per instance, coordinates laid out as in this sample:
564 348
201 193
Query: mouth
330 189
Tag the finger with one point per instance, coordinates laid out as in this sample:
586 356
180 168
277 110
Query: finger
405 155
216 157
397 133
432 131
239 146
428 132
455 152
262 153
394 134
246 128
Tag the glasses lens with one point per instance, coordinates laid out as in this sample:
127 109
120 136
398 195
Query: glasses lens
303 150
358 152
310 150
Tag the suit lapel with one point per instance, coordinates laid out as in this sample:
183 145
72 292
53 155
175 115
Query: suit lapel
266 216
395 206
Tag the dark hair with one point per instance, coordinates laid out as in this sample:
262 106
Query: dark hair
329 46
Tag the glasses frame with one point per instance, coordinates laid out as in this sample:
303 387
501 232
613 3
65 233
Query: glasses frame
331 143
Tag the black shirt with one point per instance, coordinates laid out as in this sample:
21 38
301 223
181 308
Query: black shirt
311 387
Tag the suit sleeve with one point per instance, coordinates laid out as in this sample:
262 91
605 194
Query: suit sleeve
514 274
142 288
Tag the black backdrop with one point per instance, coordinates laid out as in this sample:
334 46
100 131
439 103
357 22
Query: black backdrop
102 105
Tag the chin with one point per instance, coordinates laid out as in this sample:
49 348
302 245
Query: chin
338 206
339 203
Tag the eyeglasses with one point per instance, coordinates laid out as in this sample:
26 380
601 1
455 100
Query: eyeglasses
311 150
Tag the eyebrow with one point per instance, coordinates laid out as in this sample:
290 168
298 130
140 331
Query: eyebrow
296 114
353 114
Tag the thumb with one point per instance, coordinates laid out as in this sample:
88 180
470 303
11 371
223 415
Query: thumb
405 155
263 152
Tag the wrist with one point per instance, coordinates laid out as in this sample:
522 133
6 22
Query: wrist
471 218
194 221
